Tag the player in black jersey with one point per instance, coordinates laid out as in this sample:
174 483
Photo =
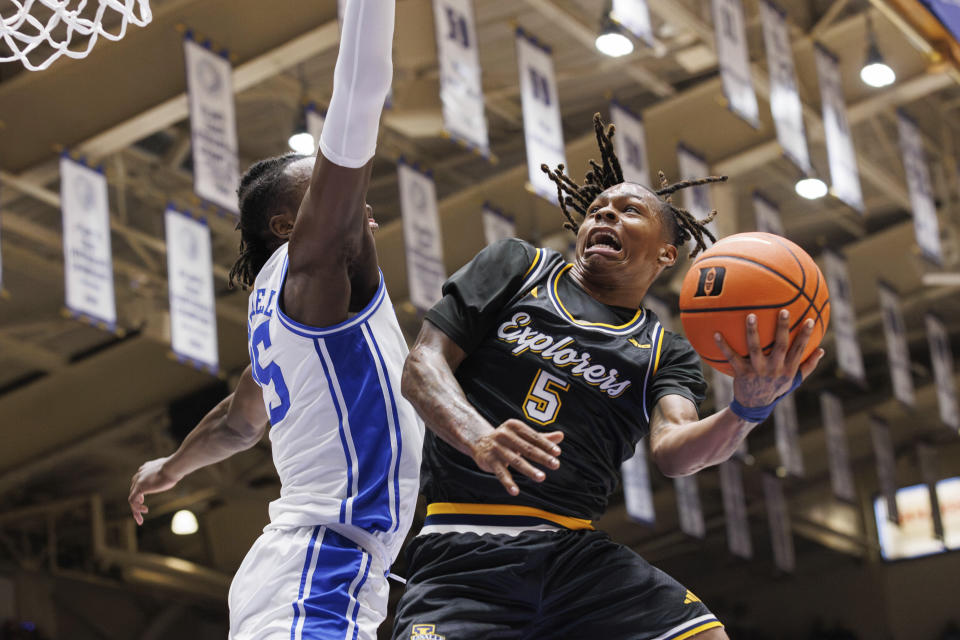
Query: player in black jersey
525 351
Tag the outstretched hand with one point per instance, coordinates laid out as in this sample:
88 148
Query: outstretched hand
149 478
515 444
760 379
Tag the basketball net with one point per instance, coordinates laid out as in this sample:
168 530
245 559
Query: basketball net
47 28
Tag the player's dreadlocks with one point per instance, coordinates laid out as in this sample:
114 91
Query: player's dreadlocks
264 190
603 176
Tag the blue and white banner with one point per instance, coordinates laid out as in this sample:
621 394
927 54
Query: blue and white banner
779 519
733 55
926 227
768 215
735 509
886 465
898 353
688 506
637 494
843 317
630 144
785 105
542 126
497 225
786 431
695 199
213 125
421 236
842 157
87 255
838 456
461 87
193 314
315 119
634 16
942 359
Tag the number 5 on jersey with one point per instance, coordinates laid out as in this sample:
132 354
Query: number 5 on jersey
543 402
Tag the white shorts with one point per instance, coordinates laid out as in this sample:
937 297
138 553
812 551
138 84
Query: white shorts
307 583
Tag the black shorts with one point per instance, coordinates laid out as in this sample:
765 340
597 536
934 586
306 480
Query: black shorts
541 585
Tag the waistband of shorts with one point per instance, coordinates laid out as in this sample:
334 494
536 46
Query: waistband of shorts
463 517
360 537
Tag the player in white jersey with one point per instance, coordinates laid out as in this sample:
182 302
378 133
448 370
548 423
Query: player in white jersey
326 355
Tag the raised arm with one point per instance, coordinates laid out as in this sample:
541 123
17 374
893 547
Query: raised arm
235 424
331 252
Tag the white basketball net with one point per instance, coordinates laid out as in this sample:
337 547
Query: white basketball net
47 27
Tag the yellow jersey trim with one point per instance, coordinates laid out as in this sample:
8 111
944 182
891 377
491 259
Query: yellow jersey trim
656 362
713 624
478 509
584 323
533 264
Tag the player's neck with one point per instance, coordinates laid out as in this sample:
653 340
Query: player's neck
612 288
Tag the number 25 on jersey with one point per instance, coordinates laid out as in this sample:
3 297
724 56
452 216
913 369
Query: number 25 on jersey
543 402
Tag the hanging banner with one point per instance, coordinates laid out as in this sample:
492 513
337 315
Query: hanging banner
461 89
542 127
497 225
213 125
733 56
942 359
87 255
785 103
630 144
636 486
634 16
838 457
840 152
735 509
898 353
886 465
786 432
843 318
768 215
688 506
779 519
315 119
193 315
927 460
695 199
421 236
926 227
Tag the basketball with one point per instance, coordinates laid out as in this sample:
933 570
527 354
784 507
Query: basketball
745 273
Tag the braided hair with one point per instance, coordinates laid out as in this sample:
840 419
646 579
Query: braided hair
265 190
575 199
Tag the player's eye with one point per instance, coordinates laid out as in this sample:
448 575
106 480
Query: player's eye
594 209
631 209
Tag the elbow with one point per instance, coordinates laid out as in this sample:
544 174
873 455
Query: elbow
671 462
411 374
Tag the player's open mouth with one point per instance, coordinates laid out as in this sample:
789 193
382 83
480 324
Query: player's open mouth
602 242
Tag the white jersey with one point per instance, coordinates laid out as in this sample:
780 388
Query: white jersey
346 445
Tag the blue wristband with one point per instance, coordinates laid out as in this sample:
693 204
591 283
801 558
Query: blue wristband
759 414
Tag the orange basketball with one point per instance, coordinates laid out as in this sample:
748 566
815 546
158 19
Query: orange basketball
745 273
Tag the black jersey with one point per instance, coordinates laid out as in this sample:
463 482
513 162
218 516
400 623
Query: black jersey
542 350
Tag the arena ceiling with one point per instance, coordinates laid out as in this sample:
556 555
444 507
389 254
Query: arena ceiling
81 408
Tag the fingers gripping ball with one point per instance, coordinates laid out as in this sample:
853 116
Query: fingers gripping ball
757 273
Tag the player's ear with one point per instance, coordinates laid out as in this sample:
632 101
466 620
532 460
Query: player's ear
668 255
281 225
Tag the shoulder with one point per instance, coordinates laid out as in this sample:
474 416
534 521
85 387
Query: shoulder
275 266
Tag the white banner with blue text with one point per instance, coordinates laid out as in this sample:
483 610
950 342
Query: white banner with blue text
735 509
87 255
315 119
767 214
786 429
785 105
926 227
213 125
886 465
630 144
193 314
779 520
634 16
421 236
843 318
838 456
898 352
733 55
688 506
461 88
695 199
496 224
637 494
841 155
942 359
542 127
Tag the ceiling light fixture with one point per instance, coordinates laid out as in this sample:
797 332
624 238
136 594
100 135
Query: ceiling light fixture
302 142
811 188
875 72
612 41
184 523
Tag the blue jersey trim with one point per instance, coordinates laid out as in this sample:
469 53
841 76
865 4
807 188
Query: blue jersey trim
355 597
343 435
307 331
396 428
303 582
